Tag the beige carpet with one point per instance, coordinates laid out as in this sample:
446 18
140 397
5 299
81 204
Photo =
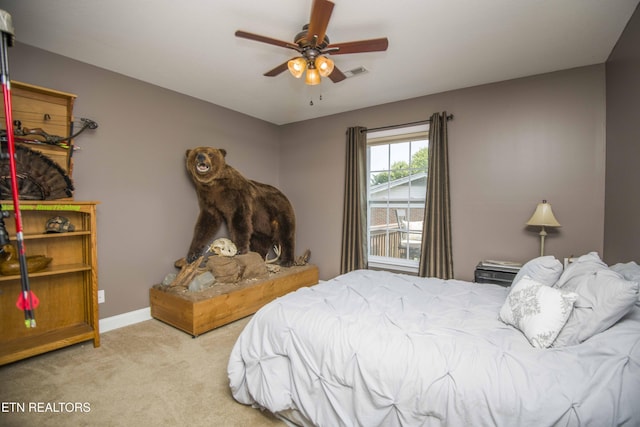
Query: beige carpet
148 374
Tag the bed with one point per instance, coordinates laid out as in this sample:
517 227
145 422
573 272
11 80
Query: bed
373 348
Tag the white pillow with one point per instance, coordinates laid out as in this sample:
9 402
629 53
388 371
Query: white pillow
581 265
630 270
604 298
537 310
544 269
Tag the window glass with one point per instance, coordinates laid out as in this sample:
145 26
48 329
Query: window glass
397 163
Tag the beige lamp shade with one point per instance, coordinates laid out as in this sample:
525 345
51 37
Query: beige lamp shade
543 216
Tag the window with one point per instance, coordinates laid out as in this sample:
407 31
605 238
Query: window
397 170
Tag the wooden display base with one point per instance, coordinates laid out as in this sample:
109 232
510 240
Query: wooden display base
199 312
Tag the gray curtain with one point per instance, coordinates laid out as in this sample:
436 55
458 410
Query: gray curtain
436 258
354 220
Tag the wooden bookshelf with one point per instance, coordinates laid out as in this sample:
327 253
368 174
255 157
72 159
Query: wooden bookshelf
67 288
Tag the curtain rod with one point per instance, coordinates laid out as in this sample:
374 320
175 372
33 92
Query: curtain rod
404 125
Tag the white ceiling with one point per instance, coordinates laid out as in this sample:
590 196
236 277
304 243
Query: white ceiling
434 45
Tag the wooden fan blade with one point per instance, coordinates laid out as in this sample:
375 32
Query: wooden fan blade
371 45
279 69
337 75
320 14
268 40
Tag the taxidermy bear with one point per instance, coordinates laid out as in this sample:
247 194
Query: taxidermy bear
258 216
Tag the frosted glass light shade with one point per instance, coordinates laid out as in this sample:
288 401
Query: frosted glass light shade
313 77
296 67
324 66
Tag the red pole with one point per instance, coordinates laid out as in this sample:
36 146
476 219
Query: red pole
26 296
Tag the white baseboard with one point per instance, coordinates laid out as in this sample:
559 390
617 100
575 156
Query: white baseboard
125 319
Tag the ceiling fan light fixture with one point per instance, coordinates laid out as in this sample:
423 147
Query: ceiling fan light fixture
324 66
296 67
313 76
313 46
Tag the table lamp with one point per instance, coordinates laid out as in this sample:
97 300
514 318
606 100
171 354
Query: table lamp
543 217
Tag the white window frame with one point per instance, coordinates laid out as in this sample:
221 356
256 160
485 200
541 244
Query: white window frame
404 134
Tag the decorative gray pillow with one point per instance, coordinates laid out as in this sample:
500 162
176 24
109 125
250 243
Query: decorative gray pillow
604 297
537 310
545 269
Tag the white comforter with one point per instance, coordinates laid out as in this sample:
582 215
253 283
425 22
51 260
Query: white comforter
381 349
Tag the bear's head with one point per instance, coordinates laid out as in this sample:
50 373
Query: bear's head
205 163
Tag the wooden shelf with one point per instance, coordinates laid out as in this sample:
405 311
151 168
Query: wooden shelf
22 348
51 271
37 107
52 235
67 288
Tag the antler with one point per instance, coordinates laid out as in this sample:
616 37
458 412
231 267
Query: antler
277 249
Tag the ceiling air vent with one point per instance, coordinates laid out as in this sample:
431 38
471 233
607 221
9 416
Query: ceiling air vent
354 72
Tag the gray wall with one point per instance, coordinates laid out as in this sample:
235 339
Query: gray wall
511 145
134 165
622 214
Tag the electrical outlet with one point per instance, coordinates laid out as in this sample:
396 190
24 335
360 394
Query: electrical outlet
100 296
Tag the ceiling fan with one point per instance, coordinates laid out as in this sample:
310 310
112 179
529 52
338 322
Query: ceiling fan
313 45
